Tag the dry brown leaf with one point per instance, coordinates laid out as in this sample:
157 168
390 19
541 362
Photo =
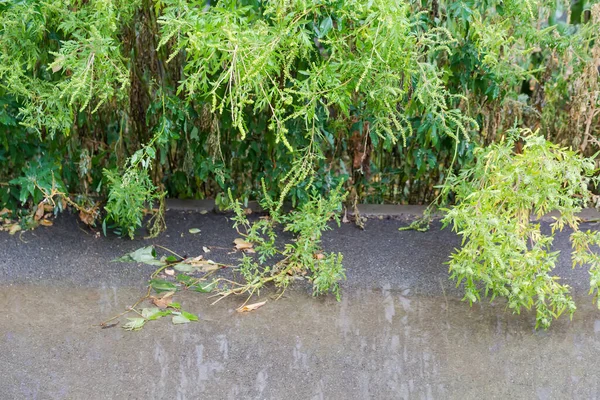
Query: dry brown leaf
45 222
4 211
169 272
14 229
251 307
86 217
164 300
248 211
39 213
241 244
48 207
319 256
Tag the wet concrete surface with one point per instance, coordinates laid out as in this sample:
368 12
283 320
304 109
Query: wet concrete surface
400 330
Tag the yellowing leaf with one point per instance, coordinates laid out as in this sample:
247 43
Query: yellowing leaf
14 229
39 213
251 307
46 222
194 230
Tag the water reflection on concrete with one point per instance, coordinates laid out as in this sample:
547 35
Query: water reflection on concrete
380 343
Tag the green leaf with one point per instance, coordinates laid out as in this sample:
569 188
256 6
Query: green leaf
154 313
184 267
325 27
194 230
205 288
134 324
174 305
160 285
180 319
190 316
146 255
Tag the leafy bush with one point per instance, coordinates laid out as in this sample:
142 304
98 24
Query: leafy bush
506 254
383 95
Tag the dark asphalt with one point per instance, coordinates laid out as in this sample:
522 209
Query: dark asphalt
69 253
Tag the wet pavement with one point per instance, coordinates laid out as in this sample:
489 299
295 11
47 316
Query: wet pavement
400 331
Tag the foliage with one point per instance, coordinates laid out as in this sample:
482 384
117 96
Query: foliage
506 254
302 257
386 96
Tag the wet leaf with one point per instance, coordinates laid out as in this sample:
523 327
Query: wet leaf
196 264
190 316
185 279
205 288
154 313
184 267
241 244
46 222
180 319
14 229
251 307
146 255
134 324
194 230
164 300
160 285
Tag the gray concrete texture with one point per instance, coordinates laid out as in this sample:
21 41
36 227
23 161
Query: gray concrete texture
400 330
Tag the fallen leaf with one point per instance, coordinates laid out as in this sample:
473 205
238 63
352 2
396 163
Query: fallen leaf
241 244
319 256
183 267
180 319
204 212
87 217
248 211
194 230
39 212
146 255
160 285
169 272
194 260
134 324
46 222
14 229
163 301
196 264
251 307
205 249
4 211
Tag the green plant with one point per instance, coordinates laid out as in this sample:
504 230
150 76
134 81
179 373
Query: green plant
303 257
504 253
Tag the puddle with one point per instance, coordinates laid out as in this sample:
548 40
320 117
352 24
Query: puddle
372 344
